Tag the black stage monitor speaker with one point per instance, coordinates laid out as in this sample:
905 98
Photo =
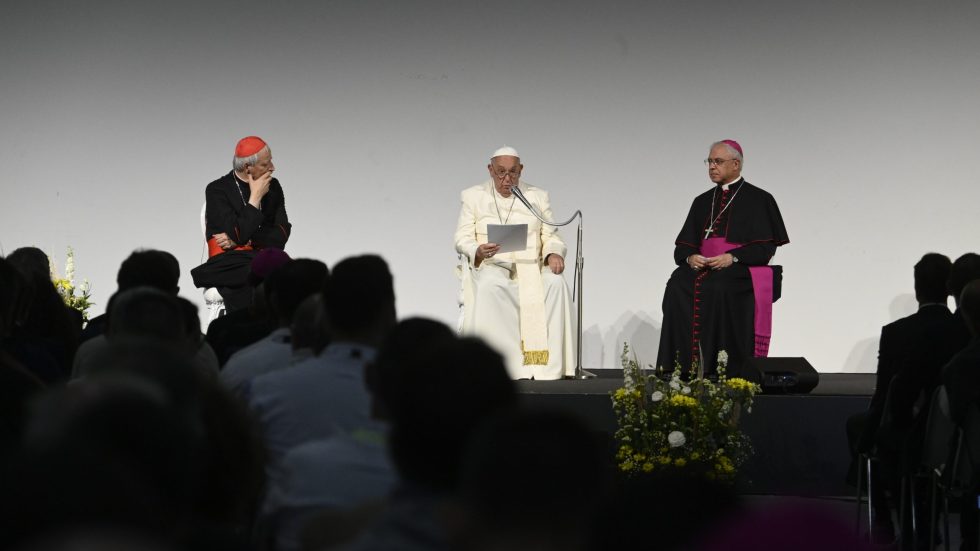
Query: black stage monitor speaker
781 375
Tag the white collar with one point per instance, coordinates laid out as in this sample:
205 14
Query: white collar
349 350
725 187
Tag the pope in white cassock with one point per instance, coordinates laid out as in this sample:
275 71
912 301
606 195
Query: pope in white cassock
517 301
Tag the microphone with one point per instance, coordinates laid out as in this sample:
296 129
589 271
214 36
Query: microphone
520 195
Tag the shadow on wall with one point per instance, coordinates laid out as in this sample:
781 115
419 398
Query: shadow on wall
863 358
638 329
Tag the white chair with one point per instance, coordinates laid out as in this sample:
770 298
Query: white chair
465 295
212 298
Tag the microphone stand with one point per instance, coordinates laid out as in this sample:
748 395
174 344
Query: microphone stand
580 372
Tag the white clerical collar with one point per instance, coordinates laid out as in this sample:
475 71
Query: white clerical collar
724 187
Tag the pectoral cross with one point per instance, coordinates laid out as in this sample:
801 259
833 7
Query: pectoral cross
708 232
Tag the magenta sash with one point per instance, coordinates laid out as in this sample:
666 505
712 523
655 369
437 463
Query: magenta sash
761 286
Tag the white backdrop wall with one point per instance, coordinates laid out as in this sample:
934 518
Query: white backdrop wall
860 117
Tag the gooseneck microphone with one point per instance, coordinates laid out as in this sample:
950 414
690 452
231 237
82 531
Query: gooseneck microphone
580 372
520 195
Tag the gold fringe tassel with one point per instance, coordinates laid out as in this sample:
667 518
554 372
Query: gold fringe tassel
534 357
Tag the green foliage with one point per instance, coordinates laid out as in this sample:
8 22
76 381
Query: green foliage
78 297
674 424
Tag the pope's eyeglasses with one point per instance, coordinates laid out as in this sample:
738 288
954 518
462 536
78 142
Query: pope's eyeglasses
514 174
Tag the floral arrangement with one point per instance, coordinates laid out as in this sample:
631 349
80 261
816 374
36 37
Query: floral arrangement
689 427
66 286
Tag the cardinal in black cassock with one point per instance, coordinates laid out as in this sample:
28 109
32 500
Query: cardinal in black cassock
720 296
245 212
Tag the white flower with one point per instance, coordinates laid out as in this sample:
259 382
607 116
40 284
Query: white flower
723 358
657 396
70 266
628 381
676 439
674 384
686 390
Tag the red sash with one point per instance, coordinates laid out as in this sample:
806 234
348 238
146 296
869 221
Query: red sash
214 250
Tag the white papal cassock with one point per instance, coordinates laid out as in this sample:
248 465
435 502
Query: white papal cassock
513 300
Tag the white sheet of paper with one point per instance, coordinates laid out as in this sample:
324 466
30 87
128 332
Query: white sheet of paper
510 237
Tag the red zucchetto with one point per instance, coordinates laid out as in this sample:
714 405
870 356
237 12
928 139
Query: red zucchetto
249 146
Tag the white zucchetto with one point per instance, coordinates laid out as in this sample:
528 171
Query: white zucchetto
506 150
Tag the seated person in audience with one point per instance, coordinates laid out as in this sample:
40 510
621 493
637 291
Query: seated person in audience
14 307
143 268
434 407
335 482
145 445
49 322
18 385
236 330
325 395
245 212
147 312
902 435
922 372
310 334
930 276
961 377
137 316
948 339
87 463
285 288
527 500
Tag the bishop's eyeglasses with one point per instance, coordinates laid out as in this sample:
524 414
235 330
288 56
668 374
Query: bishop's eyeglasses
717 162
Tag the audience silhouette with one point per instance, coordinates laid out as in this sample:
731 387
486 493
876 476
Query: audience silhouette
333 426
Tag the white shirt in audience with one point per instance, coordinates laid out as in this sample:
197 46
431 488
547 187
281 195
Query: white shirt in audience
339 473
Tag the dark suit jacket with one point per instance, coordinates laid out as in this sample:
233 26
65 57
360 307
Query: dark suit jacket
896 350
961 376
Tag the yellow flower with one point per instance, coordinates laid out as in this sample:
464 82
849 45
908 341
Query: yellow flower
626 466
664 460
638 457
624 452
647 467
695 456
740 385
680 400
680 462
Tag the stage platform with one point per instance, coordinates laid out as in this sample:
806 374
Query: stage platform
800 443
